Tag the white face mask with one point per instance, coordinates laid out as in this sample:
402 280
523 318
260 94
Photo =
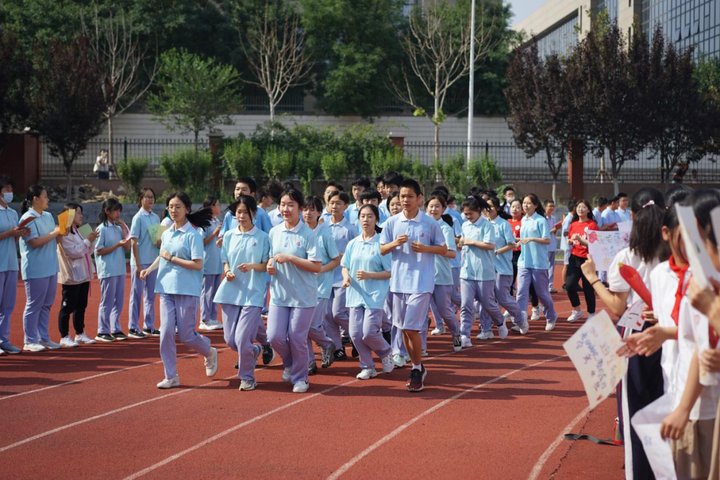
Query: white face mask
7 197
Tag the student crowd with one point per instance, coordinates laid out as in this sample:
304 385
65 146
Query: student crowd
364 271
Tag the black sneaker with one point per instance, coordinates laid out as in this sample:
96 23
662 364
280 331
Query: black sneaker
104 337
354 352
312 369
135 333
268 354
119 336
346 341
417 379
151 332
340 355
457 343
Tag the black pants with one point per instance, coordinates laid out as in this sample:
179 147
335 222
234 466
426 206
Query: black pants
74 301
533 296
572 278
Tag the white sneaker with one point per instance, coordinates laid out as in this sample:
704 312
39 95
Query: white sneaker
387 363
465 341
424 353
169 383
247 385
503 330
49 344
523 324
366 374
286 376
215 325
399 360
2 352
438 331
575 315
33 347
204 325
535 314
211 362
506 315
67 342
301 387
485 335
82 338
549 326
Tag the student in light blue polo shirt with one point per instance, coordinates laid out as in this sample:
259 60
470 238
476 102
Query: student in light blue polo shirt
245 186
533 262
413 239
179 282
39 268
365 276
245 252
212 268
331 187
342 231
112 242
9 233
329 257
477 272
435 206
293 267
143 253
373 197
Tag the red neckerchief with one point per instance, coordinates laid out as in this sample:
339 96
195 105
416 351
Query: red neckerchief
680 291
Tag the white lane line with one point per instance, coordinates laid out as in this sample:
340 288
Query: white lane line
353 461
537 469
92 377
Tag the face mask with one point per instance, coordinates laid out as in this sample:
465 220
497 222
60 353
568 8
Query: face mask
7 197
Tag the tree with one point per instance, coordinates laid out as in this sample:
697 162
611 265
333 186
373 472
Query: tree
15 76
707 77
542 116
194 93
119 53
66 100
436 47
275 51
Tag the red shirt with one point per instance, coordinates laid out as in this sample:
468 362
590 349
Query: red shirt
515 226
578 249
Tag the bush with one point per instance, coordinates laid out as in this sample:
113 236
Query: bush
242 158
458 177
278 164
334 166
307 168
131 173
357 141
392 160
187 170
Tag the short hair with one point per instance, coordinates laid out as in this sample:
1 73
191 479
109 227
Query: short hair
5 181
621 195
411 183
314 202
508 188
392 178
249 181
362 182
247 200
602 201
335 184
370 194
343 196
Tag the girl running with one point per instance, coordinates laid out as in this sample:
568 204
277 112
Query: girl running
582 223
212 268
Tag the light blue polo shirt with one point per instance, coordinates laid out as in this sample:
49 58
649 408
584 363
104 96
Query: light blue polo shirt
443 267
503 236
478 264
260 220
412 272
327 216
275 216
609 216
457 231
552 220
533 254
212 263
8 249
112 264
365 255
139 230
38 262
384 212
623 215
342 231
597 216
326 252
249 288
291 286
352 213
186 243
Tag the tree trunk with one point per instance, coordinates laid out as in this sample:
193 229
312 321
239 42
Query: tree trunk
197 135
554 191
111 161
272 111
437 141
68 184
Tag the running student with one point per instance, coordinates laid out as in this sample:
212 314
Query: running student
441 297
76 271
143 251
329 257
413 239
358 187
39 267
365 276
9 233
582 224
241 295
293 267
112 242
245 186
212 267
400 355
477 273
179 282
552 246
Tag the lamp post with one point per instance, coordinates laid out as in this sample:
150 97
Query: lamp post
471 87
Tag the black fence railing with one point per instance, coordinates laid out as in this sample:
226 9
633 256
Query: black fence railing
512 161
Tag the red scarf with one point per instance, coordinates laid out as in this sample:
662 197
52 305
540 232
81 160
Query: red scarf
680 271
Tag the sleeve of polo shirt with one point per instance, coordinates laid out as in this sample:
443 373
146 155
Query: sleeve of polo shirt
449 239
437 236
507 232
135 228
311 248
386 236
197 249
270 237
544 230
33 227
225 250
386 261
265 249
330 245
226 223
345 260
101 238
489 233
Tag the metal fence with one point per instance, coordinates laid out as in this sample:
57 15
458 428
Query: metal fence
512 161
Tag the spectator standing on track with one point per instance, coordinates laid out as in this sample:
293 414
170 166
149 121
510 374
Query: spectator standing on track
241 295
76 271
39 268
179 282
143 253
212 268
293 267
582 224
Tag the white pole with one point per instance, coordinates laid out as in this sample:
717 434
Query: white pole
471 88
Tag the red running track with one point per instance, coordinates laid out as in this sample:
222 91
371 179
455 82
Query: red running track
496 410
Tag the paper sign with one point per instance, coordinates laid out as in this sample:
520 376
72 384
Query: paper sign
647 426
592 350
65 220
603 246
27 221
156 232
632 318
85 230
624 228
698 258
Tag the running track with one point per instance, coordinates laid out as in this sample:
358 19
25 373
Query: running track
497 410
